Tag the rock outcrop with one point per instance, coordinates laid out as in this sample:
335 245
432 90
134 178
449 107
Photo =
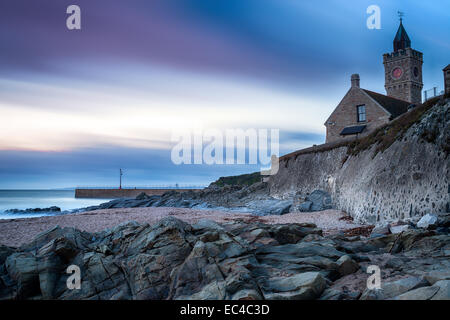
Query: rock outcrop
254 199
34 210
317 200
236 260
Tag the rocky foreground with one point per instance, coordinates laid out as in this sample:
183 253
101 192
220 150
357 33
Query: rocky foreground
239 259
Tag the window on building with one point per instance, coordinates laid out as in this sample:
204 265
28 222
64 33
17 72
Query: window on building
361 113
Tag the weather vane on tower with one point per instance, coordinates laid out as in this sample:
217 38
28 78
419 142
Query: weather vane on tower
400 15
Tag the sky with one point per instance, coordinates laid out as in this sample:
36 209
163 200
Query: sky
77 105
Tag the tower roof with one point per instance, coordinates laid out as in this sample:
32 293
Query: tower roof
401 40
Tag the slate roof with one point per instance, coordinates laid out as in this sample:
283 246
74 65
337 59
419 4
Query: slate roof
352 130
394 106
401 40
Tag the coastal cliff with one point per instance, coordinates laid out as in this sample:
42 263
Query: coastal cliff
401 171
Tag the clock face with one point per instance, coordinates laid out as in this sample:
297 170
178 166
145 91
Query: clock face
397 73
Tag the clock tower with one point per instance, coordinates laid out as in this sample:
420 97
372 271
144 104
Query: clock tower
403 69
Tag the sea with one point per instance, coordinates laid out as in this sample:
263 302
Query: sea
24 199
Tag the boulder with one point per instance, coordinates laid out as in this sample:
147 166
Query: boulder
318 200
206 224
395 263
303 286
427 221
373 294
436 275
424 293
398 287
292 233
399 228
23 269
270 206
346 265
5 252
321 200
247 294
301 250
331 294
380 230
313 237
212 291
305 206
444 290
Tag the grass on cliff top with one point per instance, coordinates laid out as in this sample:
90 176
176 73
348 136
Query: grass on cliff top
386 135
383 137
241 180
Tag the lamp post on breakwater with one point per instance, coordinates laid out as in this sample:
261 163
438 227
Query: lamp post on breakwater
120 177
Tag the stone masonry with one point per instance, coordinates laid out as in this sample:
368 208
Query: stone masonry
346 114
447 79
408 84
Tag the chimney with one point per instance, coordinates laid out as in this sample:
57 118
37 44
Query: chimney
355 80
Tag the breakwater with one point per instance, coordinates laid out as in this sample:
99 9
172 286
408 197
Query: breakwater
121 193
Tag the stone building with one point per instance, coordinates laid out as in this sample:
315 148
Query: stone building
361 111
446 79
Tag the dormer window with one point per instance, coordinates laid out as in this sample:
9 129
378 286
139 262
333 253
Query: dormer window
361 113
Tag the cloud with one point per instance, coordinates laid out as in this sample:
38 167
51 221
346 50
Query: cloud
54 116
73 104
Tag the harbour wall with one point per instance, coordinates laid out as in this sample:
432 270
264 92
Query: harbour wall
121 193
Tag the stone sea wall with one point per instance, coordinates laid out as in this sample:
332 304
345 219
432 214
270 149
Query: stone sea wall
407 180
